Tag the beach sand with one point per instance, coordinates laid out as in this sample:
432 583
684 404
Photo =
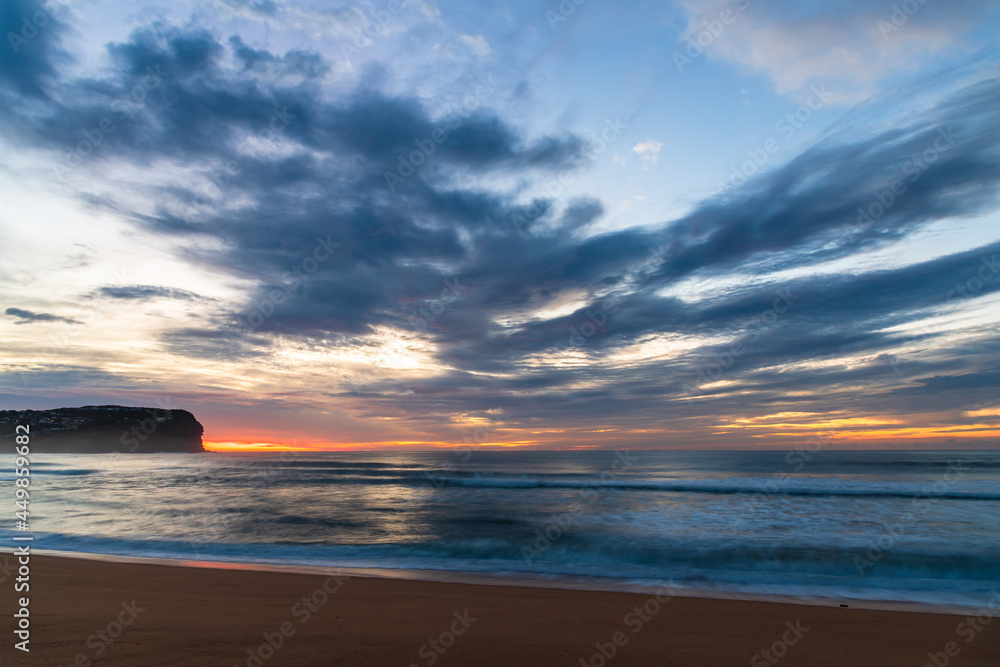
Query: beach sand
154 614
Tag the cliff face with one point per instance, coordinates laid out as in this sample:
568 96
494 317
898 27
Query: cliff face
106 428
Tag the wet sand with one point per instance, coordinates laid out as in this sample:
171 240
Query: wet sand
90 612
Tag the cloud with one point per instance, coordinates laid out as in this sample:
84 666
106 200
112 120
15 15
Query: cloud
840 44
339 265
428 9
812 202
338 22
477 44
28 317
460 50
31 54
649 150
145 292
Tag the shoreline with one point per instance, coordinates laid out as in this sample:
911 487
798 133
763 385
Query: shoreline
524 580
102 612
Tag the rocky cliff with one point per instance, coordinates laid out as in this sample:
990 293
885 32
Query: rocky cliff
105 428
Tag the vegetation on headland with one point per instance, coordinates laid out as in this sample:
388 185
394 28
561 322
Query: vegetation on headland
106 428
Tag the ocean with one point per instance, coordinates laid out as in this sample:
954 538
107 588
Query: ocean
910 526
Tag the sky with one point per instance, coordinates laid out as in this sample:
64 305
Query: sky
586 224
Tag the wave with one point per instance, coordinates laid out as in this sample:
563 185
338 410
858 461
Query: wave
764 485
724 487
59 472
278 462
730 564
909 463
420 513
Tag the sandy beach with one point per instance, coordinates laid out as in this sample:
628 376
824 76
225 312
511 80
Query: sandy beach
111 613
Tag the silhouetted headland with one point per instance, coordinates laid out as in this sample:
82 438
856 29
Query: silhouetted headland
106 428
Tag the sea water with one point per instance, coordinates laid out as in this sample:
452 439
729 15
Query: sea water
914 526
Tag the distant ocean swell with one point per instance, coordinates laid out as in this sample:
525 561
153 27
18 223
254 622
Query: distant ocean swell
765 486
903 526
762 485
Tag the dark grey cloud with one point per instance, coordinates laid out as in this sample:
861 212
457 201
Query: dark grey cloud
812 203
145 292
32 50
29 317
316 224
24 378
830 317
